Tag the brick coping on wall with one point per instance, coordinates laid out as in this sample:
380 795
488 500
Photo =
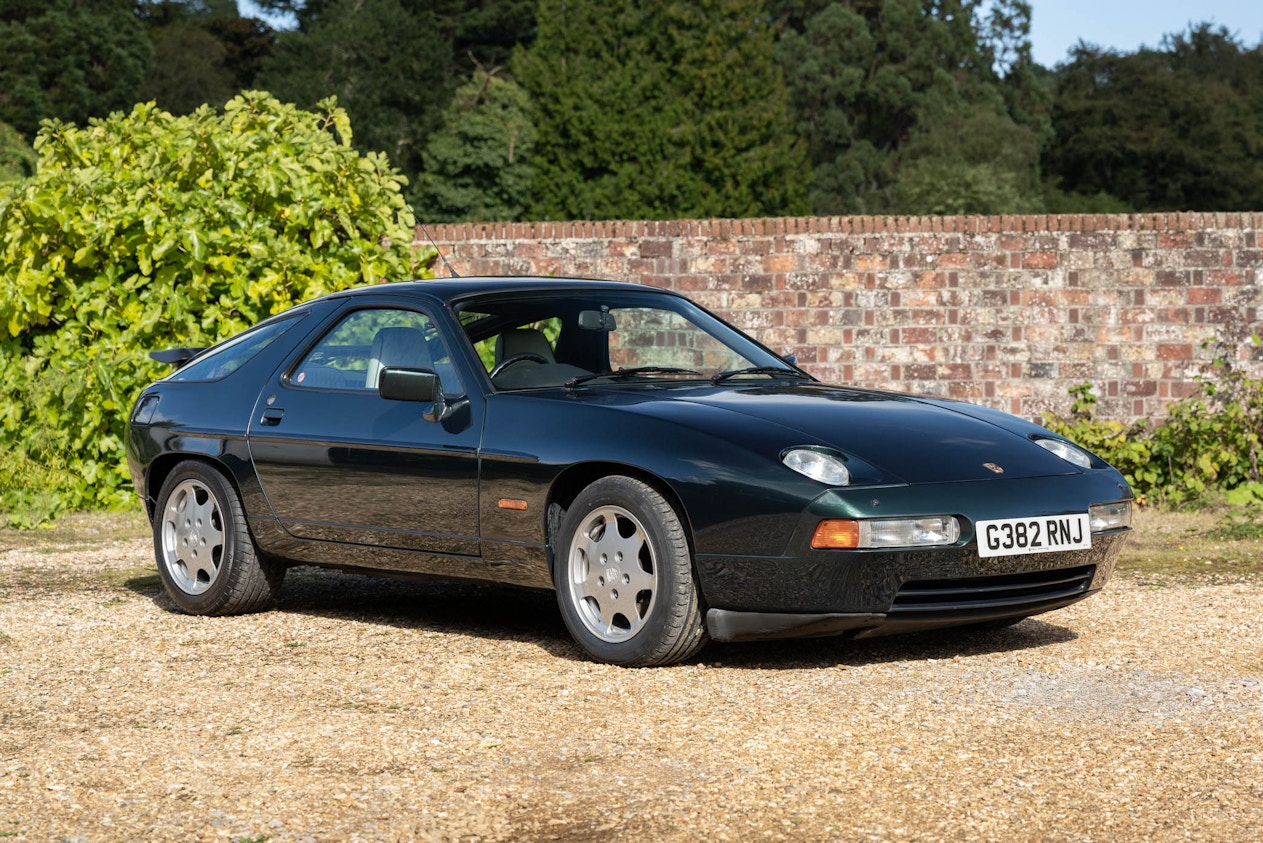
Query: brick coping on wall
760 227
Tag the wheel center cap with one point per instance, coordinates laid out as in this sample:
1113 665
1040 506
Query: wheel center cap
611 575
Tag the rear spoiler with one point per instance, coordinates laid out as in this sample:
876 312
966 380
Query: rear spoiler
176 357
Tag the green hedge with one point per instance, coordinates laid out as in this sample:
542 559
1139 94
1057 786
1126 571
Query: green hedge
1208 445
145 231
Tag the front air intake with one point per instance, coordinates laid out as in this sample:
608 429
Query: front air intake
982 598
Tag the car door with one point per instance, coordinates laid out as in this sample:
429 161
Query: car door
340 463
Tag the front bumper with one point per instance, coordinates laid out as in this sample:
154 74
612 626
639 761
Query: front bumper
864 593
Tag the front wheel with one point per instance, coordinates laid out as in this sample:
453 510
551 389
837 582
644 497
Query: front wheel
206 557
624 576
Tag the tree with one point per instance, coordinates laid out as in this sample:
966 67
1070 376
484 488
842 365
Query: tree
188 69
970 161
149 230
871 82
483 34
68 59
1179 128
383 59
203 52
17 159
479 33
659 109
478 167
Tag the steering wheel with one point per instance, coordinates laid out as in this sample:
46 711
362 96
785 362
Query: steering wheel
515 359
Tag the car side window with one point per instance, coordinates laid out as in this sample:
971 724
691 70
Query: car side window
353 354
230 356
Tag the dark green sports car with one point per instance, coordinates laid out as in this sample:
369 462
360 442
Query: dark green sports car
669 477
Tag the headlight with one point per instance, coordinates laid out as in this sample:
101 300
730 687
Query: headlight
1104 517
818 465
847 534
1070 453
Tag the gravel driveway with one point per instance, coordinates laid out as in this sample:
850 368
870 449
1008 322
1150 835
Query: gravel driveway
376 710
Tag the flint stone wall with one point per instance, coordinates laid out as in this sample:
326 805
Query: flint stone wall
1010 311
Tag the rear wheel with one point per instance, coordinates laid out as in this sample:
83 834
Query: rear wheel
206 557
625 583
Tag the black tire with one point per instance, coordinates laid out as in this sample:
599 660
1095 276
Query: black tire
206 557
629 596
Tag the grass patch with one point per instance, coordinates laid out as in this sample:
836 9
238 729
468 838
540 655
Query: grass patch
1218 541
136 579
142 581
78 530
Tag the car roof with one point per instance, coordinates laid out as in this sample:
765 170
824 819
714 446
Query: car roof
453 289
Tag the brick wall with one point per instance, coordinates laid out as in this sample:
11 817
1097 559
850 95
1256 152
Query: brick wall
1005 311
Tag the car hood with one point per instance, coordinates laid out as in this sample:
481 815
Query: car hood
907 438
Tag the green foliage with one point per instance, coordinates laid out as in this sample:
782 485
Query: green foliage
1058 201
68 59
901 106
659 109
1209 442
385 60
970 161
1247 494
188 69
203 52
478 168
482 33
1244 521
1174 129
17 159
146 231
1247 526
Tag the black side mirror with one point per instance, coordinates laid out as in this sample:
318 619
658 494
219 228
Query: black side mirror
419 385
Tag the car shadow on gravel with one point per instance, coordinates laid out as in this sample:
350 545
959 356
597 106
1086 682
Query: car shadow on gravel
496 612
485 610
943 644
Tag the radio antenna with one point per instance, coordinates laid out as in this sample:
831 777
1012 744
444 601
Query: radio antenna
442 256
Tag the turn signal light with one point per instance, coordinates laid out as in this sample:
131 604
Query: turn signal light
836 534
927 531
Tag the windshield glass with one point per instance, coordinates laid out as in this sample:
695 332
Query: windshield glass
602 337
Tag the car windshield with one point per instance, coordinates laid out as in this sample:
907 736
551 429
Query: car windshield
602 337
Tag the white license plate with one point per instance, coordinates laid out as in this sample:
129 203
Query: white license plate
1041 534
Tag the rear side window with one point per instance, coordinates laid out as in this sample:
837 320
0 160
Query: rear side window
229 356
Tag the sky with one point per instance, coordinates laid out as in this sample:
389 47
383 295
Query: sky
1125 25
250 9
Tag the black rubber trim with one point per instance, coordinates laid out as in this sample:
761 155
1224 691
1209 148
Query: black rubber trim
725 625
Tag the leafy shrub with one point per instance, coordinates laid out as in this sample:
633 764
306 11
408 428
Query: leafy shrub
1209 442
146 231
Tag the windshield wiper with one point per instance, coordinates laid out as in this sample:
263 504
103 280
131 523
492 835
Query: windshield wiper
624 374
760 370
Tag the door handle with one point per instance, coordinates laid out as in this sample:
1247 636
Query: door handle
272 416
